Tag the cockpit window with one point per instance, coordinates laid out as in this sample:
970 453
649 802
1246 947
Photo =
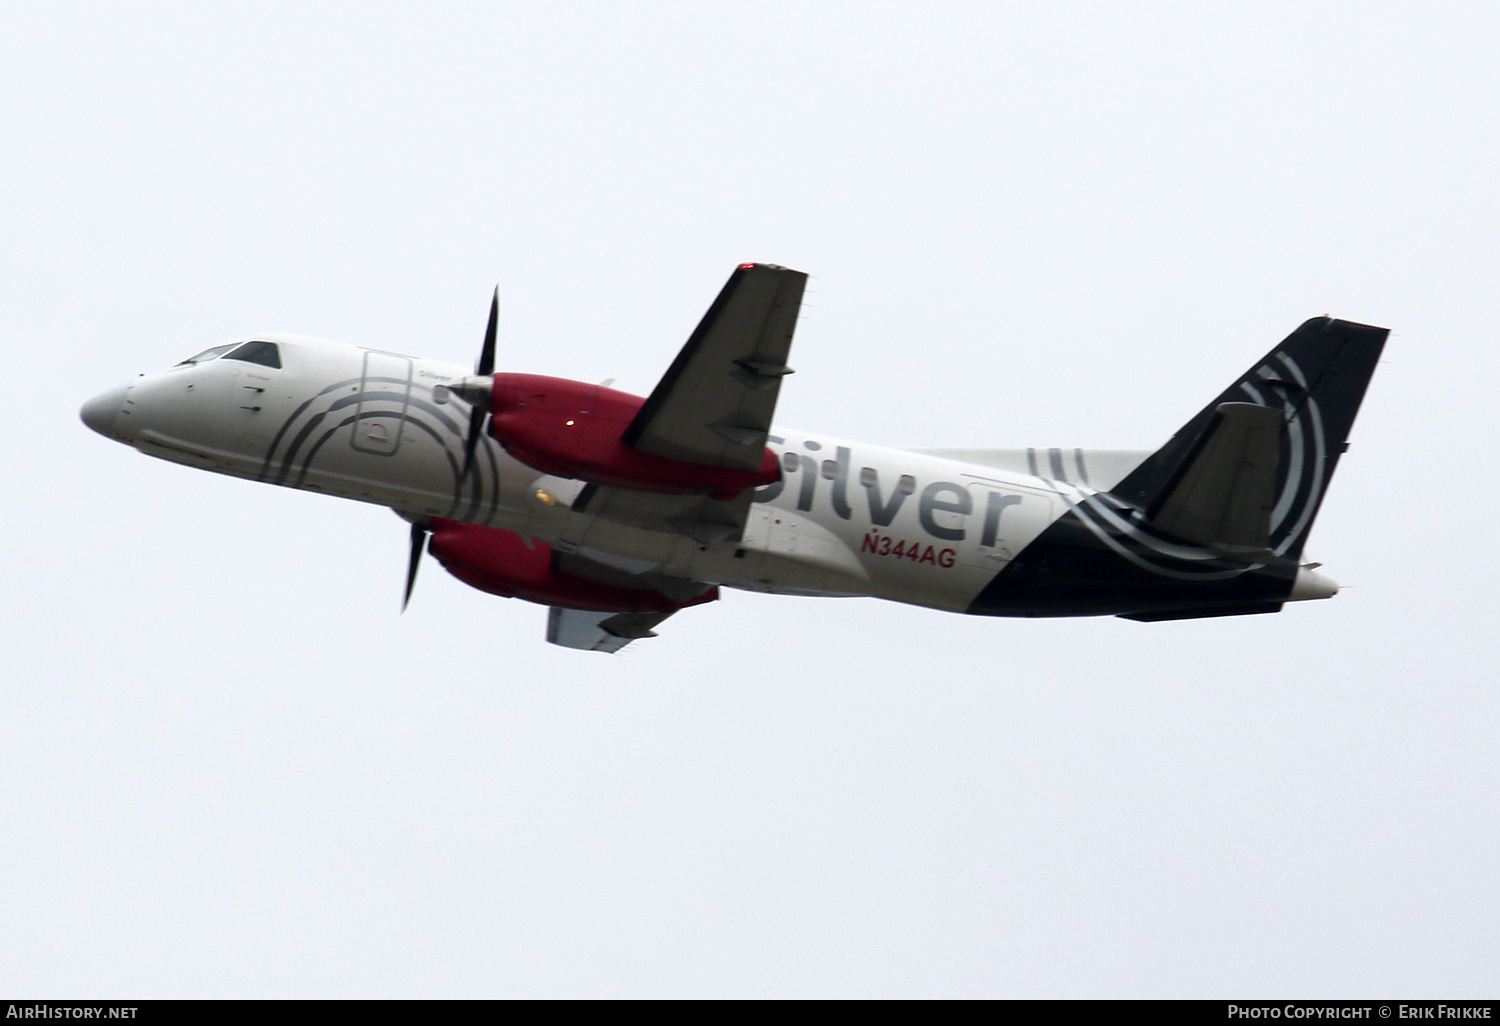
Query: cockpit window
206 355
264 353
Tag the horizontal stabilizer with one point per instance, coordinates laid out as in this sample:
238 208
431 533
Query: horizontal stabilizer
1099 469
1225 492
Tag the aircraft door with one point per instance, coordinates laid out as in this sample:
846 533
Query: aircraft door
1005 520
384 394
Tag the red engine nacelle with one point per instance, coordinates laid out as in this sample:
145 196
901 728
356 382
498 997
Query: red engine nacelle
499 562
571 429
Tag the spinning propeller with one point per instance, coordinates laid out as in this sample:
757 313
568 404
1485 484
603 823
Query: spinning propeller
476 391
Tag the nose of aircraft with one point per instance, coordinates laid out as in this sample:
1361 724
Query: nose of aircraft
100 412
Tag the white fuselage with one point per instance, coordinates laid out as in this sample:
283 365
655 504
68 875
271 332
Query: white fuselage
848 518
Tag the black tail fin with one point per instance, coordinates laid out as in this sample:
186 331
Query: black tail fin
1317 377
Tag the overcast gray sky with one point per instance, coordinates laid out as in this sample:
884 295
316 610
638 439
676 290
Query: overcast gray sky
228 768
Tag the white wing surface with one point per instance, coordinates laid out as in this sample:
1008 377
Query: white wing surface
599 632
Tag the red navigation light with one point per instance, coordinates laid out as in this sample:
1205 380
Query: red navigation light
746 267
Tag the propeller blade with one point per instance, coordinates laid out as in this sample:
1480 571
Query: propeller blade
484 368
414 560
486 364
476 428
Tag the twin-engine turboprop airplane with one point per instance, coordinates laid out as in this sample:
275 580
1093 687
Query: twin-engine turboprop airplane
617 511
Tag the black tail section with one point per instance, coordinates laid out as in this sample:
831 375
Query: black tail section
1317 377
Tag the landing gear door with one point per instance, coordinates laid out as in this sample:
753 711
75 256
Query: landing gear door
384 393
1005 520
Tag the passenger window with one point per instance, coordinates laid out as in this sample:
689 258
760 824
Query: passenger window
206 355
264 353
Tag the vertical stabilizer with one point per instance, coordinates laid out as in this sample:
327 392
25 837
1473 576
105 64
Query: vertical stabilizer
1210 482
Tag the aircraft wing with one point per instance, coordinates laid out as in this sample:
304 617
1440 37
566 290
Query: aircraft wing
599 632
714 404
703 519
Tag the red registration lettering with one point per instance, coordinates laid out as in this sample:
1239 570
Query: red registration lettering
885 545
